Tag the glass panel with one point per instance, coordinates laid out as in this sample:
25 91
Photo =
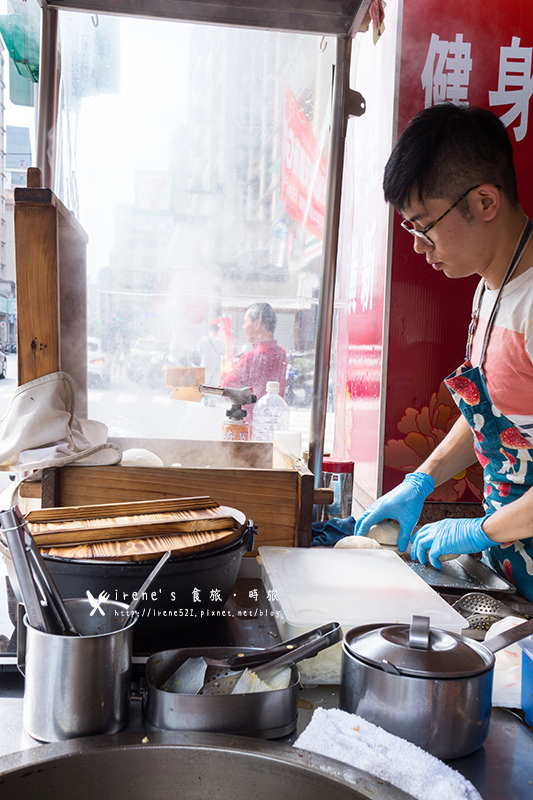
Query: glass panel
362 279
195 158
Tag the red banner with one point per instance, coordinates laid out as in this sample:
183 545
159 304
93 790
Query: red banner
303 169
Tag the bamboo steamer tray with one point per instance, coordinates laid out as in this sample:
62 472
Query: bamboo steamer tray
135 531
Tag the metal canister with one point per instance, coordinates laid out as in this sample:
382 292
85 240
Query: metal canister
77 685
235 431
337 474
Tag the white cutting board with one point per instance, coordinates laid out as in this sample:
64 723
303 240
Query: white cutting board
310 586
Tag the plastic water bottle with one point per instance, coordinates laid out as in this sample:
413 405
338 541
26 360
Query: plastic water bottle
279 244
271 414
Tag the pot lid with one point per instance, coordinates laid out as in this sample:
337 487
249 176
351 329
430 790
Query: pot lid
138 530
418 650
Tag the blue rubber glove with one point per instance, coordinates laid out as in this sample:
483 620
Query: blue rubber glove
449 536
403 504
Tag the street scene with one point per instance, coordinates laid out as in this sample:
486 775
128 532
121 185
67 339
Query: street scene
131 409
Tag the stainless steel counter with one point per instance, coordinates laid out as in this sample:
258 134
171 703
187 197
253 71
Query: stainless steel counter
501 770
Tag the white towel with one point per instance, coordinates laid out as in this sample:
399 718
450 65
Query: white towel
352 739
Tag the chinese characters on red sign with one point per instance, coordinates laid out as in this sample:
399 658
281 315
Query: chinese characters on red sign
448 67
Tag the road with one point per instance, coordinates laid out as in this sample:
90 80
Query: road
7 387
130 410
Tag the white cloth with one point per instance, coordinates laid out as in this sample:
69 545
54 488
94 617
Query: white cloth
507 675
41 429
352 739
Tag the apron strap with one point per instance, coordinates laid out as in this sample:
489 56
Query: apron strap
476 306
520 247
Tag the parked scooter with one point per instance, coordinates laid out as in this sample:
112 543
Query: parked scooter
299 380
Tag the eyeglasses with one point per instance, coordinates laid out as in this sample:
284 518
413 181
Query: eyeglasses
422 234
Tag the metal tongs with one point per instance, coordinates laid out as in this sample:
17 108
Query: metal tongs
44 605
306 645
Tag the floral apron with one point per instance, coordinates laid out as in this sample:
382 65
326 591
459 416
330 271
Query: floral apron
505 455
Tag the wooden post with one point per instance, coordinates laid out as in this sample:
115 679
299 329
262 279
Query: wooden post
50 258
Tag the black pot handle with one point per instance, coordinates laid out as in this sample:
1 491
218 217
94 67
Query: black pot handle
250 532
510 636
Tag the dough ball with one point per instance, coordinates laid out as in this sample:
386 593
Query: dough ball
448 557
138 457
386 533
357 543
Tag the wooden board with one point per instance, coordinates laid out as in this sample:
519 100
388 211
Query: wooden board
94 511
149 548
87 531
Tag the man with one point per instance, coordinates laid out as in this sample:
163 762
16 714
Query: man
451 176
267 361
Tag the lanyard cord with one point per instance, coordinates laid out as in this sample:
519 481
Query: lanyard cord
522 242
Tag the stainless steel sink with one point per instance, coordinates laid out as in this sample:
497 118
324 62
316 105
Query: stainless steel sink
183 766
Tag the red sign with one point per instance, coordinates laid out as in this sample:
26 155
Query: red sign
403 327
460 53
303 169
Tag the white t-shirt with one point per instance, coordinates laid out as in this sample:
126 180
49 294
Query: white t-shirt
508 363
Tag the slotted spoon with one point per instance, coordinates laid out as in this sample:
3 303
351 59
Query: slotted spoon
479 603
481 622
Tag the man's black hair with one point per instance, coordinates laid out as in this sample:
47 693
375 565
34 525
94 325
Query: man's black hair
444 150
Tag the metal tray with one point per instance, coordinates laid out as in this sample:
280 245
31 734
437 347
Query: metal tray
266 715
462 574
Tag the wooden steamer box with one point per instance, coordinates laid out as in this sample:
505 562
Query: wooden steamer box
266 483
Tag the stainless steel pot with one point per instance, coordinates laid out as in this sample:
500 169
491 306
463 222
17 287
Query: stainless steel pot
428 686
